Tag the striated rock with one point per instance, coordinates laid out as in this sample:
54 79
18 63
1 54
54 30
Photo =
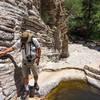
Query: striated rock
15 17
2 97
93 81
10 15
14 20
93 73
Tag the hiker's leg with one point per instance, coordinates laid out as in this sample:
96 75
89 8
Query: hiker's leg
26 81
35 74
35 82
25 71
34 71
35 77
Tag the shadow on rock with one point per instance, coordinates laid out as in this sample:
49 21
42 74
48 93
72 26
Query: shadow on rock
18 77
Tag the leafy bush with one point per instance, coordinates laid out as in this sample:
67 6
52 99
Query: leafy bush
84 16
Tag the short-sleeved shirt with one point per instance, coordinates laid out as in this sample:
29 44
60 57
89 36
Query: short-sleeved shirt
29 48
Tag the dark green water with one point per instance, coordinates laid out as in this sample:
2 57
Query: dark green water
74 90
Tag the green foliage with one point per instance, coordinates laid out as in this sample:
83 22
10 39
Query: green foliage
74 7
95 36
84 15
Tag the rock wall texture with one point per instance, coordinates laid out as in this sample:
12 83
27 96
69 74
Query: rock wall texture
93 73
15 17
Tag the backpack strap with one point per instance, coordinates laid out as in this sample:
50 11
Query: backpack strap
23 46
30 48
32 42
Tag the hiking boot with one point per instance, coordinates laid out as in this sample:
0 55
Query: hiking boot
32 91
36 86
25 94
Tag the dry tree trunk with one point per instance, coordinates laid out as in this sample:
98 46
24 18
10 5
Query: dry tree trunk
52 13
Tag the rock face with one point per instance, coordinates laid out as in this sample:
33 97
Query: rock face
93 73
15 17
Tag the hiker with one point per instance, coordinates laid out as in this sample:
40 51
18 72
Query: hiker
31 53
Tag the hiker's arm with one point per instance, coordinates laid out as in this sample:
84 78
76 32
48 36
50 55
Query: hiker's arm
38 48
38 53
15 46
38 56
7 50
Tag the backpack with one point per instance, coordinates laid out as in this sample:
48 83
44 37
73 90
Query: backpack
31 44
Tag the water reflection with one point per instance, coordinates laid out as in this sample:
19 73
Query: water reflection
74 90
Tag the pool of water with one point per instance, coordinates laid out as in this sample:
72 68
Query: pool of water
74 90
